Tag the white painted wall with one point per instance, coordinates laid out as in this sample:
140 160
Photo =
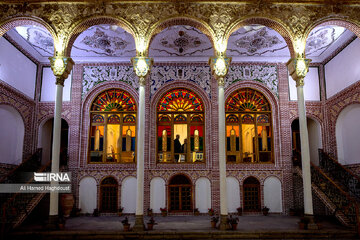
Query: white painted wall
233 194
157 194
44 141
272 194
11 135
348 135
87 195
344 69
315 141
48 87
128 195
16 69
311 86
203 194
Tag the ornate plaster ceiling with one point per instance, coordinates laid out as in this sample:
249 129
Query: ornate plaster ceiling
258 41
183 43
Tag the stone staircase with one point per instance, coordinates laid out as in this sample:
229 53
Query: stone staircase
15 207
337 188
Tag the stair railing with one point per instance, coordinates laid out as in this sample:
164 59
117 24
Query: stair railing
343 201
341 174
16 204
30 164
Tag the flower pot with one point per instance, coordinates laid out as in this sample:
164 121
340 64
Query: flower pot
265 213
120 214
302 225
234 226
163 214
61 226
150 226
196 213
211 213
67 203
213 224
126 227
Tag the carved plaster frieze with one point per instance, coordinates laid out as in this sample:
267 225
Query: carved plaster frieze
94 75
265 74
201 75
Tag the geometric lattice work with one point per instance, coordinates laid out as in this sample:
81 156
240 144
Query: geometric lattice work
114 100
180 99
247 99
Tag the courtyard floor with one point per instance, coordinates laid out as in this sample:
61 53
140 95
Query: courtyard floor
186 227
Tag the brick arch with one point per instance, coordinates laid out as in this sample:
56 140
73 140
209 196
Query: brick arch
183 20
251 176
268 22
340 22
308 115
21 21
207 113
89 22
167 183
341 108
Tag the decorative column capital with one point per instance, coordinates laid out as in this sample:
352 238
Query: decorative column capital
61 67
142 66
298 68
220 66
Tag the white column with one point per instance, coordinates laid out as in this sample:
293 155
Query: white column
140 152
222 154
305 152
54 196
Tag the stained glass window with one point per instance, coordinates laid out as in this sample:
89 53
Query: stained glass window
181 100
112 132
248 140
245 100
180 127
114 100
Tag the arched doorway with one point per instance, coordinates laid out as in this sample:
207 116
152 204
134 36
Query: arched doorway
180 194
252 195
315 142
46 139
108 195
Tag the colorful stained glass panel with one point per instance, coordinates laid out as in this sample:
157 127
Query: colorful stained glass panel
97 118
114 100
247 99
180 100
114 119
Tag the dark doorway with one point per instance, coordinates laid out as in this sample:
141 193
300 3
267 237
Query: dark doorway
180 194
251 195
108 195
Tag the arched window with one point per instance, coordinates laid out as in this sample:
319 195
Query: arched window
180 128
113 128
248 127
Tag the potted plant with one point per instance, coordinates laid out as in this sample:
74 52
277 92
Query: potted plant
151 223
265 211
292 212
149 212
233 222
211 212
61 223
126 224
239 210
196 212
163 212
214 221
303 223
120 211
96 212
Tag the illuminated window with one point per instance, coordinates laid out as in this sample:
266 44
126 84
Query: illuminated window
113 128
248 127
180 128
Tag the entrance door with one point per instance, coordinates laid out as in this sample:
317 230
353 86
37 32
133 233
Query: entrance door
108 193
251 195
180 194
